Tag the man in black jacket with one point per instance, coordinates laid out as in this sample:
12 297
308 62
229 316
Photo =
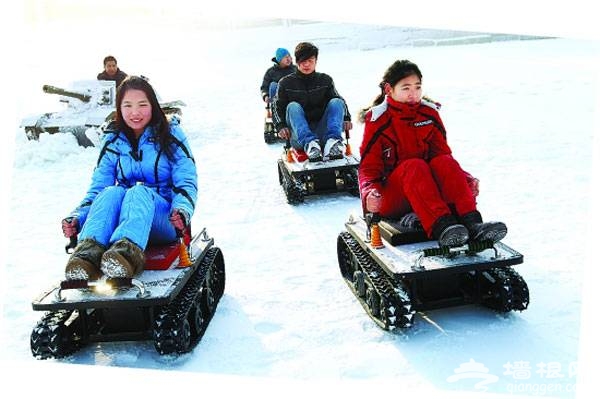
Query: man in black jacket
112 71
283 67
309 110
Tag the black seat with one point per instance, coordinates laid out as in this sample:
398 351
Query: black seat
394 232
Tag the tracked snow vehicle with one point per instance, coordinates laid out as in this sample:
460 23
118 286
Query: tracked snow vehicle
90 105
171 303
394 270
299 177
270 135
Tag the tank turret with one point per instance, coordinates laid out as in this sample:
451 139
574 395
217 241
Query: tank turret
67 93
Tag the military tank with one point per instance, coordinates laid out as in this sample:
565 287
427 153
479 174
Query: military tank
89 104
90 108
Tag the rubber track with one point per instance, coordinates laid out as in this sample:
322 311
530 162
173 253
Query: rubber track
396 301
508 290
51 338
520 290
292 189
168 326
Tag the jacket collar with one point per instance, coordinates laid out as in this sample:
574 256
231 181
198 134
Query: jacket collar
378 110
305 76
146 135
403 110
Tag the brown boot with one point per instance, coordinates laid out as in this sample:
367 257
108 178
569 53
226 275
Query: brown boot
84 263
123 259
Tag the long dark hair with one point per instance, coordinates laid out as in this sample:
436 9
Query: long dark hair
159 120
399 70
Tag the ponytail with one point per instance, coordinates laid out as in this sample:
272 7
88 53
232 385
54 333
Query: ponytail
378 100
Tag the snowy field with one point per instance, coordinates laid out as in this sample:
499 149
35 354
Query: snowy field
520 116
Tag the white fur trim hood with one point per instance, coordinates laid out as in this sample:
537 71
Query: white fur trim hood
378 110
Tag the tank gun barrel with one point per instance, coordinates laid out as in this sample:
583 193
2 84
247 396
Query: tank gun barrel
74 94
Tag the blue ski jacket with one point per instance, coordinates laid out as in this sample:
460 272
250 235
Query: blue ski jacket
120 164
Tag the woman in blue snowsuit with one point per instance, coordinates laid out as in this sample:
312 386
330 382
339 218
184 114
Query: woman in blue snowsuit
143 189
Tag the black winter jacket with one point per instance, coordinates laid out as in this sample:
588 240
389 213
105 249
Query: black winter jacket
312 92
274 74
117 78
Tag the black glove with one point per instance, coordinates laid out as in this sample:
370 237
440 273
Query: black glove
411 221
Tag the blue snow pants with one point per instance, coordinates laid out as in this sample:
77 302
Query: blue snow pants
137 213
303 132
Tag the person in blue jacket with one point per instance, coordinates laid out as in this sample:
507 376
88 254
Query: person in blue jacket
143 189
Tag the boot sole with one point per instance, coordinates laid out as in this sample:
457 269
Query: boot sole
80 269
494 233
114 266
454 236
77 273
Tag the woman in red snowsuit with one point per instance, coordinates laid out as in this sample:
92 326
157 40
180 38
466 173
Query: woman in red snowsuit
407 165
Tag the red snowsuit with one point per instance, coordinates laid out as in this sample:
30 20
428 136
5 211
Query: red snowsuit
405 156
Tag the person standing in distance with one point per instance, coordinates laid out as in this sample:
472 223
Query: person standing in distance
111 71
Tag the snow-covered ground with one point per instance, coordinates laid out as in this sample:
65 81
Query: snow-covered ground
520 116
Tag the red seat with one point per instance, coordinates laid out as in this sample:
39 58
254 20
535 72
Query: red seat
163 257
299 155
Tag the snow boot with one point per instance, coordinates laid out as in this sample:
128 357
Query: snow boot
480 231
84 263
334 149
123 259
449 233
313 151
